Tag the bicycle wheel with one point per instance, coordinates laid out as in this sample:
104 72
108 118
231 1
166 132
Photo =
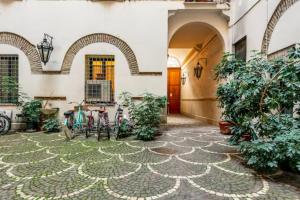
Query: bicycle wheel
87 132
98 130
2 125
117 131
98 136
8 124
68 133
90 127
108 132
5 125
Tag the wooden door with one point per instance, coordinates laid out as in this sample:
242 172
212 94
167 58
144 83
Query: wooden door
174 75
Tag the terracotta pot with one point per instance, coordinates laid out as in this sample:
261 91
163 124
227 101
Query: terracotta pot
225 127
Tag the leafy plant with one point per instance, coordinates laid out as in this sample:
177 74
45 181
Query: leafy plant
270 154
259 97
254 95
145 114
51 125
32 110
10 86
260 155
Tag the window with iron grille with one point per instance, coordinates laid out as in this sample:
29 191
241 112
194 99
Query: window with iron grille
9 65
99 78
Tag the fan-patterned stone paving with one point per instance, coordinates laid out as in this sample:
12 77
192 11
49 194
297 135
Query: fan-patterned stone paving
185 162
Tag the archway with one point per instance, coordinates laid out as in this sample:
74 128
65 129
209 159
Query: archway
24 45
193 43
282 7
100 38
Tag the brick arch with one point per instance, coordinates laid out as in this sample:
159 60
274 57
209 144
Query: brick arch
24 45
282 7
100 38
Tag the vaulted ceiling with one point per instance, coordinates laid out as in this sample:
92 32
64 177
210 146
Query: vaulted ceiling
191 35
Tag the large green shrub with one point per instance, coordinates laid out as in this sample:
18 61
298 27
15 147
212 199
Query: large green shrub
145 114
270 154
258 97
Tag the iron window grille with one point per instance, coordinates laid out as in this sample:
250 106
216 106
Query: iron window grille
99 79
9 65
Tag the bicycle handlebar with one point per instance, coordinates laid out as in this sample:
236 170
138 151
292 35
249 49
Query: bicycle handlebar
71 102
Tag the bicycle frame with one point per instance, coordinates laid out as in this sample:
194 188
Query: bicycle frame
76 124
120 121
103 122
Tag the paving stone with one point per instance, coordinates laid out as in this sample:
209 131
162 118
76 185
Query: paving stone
190 162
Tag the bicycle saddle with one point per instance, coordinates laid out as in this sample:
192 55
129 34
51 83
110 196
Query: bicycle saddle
69 112
101 110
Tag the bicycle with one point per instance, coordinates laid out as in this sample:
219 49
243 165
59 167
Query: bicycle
75 125
122 125
5 123
91 121
103 122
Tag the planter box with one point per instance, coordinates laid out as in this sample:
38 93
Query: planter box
18 126
51 111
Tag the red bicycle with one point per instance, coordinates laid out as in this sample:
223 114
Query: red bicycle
102 122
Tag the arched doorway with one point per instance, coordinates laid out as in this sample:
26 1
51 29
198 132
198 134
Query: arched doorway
196 45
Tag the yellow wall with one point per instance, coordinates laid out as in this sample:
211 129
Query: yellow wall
198 97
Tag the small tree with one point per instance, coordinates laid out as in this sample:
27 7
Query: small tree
255 96
145 114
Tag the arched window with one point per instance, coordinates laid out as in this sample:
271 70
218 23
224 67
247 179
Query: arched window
173 62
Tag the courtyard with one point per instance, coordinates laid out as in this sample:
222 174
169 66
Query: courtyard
188 161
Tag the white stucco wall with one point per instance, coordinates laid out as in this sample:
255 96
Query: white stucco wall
287 30
250 18
146 26
198 97
68 21
143 25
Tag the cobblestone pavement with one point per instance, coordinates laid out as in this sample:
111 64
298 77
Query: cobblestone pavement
184 163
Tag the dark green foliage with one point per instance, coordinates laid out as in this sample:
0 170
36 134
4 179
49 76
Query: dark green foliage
261 154
32 110
10 86
51 125
269 154
258 97
145 114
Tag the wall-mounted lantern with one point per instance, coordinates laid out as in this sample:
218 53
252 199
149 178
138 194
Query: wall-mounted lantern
199 68
183 78
45 48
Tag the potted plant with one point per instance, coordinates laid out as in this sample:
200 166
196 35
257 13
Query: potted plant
225 127
226 92
31 110
51 125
